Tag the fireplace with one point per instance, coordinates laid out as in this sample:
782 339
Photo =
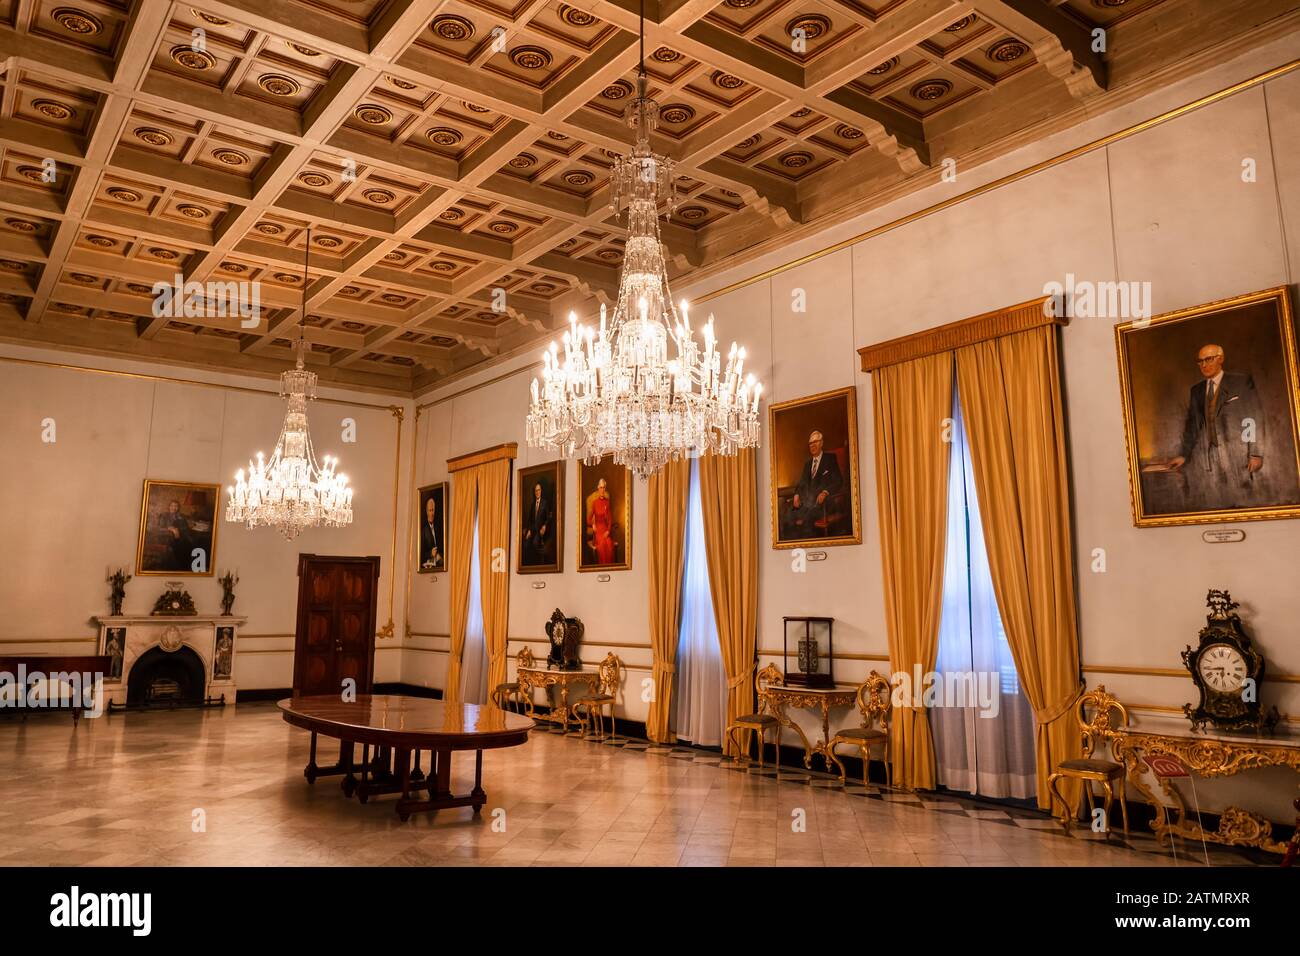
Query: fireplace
166 678
169 661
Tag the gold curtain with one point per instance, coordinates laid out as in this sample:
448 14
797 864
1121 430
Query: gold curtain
912 400
1011 399
464 495
494 562
729 502
669 495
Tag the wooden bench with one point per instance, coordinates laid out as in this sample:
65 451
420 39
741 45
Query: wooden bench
96 665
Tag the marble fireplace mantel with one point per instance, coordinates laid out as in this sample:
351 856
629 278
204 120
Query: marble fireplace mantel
125 638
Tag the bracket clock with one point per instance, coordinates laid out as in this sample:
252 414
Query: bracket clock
1227 671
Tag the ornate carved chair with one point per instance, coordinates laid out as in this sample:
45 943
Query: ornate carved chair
762 720
589 709
515 690
1108 719
874 703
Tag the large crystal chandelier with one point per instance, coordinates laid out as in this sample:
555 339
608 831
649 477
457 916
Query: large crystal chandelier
292 491
614 390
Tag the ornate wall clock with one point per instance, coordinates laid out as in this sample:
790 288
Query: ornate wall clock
1228 671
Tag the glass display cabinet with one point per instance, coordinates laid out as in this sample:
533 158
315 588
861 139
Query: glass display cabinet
808 660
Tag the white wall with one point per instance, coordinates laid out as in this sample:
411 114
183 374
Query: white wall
71 507
1166 206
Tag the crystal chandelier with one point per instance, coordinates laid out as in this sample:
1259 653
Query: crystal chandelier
614 390
292 491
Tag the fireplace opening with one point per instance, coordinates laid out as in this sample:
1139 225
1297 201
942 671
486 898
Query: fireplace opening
166 678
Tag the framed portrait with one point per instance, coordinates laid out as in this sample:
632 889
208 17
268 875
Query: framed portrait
813 447
1211 404
604 516
539 541
178 528
431 519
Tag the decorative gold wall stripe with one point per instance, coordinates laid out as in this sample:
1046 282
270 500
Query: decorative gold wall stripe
1178 712
834 657
543 640
508 450
269 392
1174 672
426 634
52 640
1007 180
955 335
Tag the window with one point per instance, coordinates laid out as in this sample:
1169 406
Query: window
474 667
984 727
699 708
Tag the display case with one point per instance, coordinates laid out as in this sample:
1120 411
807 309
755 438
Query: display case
808 661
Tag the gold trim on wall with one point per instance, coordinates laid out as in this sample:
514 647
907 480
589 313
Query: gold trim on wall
1173 672
955 335
1007 180
508 450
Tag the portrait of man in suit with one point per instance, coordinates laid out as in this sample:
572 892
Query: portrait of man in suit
178 528
814 452
432 554
1211 408
1222 444
818 479
540 494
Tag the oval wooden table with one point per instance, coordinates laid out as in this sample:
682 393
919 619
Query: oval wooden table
404 726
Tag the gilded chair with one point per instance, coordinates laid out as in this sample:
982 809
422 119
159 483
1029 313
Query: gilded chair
590 709
761 721
514 690
874 703
1108 720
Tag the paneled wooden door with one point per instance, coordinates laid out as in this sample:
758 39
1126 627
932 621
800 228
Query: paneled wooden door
337 599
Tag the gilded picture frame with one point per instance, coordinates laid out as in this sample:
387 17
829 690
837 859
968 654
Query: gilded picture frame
170 538
548 556
604 529
790 426
428 540
1199 453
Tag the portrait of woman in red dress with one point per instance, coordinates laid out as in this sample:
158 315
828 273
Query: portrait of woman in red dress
600 524
605 501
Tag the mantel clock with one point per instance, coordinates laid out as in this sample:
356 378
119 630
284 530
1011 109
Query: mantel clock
1227 671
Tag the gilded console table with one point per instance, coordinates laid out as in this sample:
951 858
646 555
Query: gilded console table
1218 755
818 699
530 677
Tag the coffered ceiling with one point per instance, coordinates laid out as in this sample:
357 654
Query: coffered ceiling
451 158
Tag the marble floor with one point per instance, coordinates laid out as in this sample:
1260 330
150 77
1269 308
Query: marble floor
225 787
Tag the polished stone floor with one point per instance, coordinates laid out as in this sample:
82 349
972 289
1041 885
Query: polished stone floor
225 787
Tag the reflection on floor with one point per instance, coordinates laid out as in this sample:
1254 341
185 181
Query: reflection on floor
129 790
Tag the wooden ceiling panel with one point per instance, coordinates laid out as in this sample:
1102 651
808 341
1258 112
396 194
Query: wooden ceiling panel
440 151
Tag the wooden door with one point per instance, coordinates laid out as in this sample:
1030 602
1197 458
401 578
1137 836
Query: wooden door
337 599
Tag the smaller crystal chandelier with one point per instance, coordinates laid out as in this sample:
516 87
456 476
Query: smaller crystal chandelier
292 491
615 390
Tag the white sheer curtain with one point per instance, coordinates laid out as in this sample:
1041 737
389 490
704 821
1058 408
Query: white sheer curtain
700 693
986 746
474 665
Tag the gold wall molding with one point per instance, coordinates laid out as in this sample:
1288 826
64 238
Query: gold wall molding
1172 672
507 450
955 335
398 413
1065 157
